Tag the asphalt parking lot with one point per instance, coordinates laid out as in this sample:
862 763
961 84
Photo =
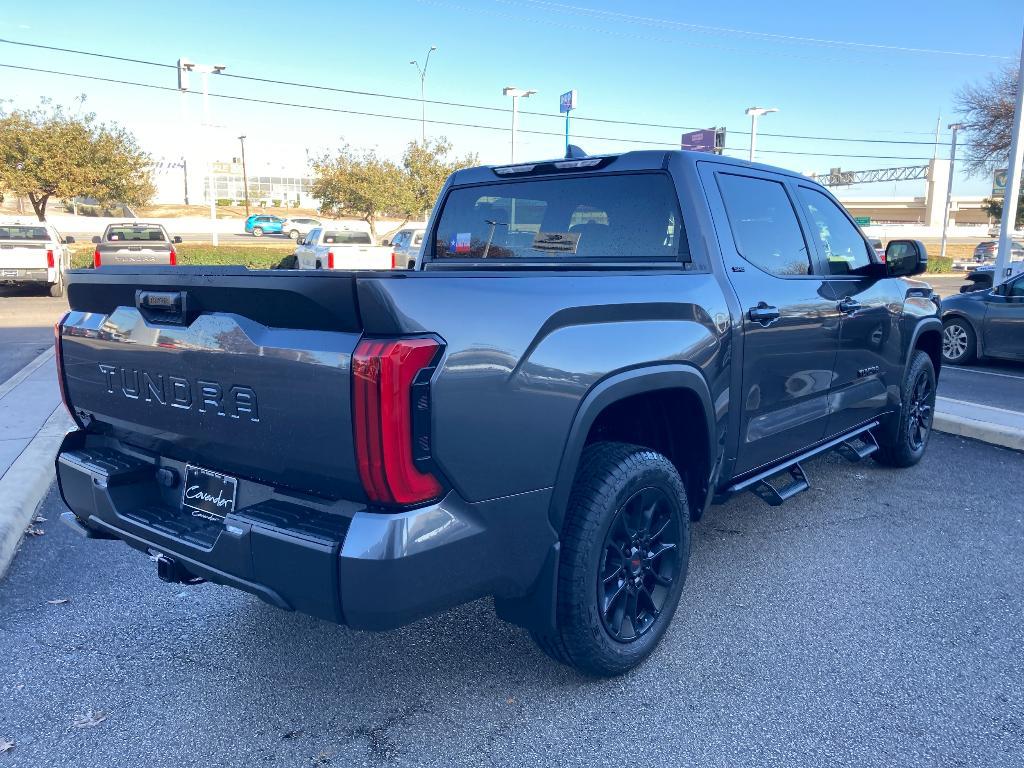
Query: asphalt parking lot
876 620
26 326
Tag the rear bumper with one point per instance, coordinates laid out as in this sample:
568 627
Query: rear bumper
42 275
335 560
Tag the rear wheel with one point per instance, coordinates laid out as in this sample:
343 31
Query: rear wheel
57 289
257 231
294 234
959 342
624 557
908 441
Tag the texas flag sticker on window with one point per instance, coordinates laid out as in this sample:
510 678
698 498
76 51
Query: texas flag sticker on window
460 242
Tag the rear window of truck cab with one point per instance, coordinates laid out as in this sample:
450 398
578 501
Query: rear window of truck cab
19 232
344 237
607 217
134 233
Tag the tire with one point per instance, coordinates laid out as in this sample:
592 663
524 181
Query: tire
318 265
294 234
411 265
257 231
908 441
57 289
959 342
598 593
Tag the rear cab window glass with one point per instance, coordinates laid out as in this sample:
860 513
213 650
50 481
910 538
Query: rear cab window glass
18 232
135 233
841 243
335 237
613 217
764 225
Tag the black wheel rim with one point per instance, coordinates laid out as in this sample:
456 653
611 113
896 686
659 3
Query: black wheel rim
921 410
639 564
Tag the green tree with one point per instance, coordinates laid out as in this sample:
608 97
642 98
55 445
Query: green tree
360 183
427 165
986 109
48 152
994 208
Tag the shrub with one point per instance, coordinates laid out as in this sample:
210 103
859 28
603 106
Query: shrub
940 265
224 201
275 203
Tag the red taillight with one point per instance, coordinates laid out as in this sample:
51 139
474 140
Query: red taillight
174 257
49 259
58 354
392 419
394 259
330 259
96 258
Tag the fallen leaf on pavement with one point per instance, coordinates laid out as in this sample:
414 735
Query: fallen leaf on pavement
291 734
59 601
33 531
38 519
90 719
6 746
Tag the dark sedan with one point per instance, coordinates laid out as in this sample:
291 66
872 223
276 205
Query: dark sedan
984 323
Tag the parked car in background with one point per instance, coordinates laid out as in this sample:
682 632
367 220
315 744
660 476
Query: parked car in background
878 246
981 278
135 243
986 251
296 228
987 323
33 253
260 224
405 247
336 247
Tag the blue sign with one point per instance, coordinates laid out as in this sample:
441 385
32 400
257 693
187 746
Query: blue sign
567 101
699 141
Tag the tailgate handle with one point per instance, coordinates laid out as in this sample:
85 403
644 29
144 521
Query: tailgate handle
162 306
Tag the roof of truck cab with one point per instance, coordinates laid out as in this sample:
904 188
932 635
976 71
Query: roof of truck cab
638 160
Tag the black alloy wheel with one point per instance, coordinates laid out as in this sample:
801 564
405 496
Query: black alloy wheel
920 411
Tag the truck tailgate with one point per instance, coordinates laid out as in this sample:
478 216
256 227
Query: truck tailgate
112 254
23 256
244 373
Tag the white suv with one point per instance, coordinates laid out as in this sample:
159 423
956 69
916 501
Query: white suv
296 228
33 252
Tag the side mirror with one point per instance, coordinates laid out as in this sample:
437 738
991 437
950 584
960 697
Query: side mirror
177 238
904 258
96 239
300 240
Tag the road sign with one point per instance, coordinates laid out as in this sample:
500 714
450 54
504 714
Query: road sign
862 221
999 183
567 101
699 141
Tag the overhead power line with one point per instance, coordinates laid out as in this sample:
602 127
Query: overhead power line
463 105
386 116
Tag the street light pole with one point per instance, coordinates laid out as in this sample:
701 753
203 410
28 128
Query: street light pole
245 177
756 112
1013 181
955 127
184 67
423 92
516 94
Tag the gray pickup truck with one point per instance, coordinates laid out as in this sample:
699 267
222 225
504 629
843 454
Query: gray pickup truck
135 243
589 354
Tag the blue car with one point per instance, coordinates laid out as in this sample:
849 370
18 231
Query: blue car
260 224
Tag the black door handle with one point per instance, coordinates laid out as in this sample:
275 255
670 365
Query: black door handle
763 313
849 305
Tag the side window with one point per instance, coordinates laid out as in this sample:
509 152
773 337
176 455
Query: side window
312 236
764 225
843 246
1016 288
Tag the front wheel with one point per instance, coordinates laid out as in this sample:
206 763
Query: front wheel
294 234
907 442
624 557
959 342
257 231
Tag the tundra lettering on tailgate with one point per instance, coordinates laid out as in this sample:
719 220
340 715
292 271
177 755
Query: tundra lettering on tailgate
237 401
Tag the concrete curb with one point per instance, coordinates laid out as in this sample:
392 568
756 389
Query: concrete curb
986 431
25 372
27 481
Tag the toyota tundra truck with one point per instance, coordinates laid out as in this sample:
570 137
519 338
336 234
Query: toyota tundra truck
33 253
590 353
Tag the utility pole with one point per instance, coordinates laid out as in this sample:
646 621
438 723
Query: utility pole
184 171
955 128
184 67
1013 177
516 94
756 112
245 177
423 92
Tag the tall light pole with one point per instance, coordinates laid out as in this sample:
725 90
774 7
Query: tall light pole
516 94
184 67
1013 178
245 177
954 127
756 112
423 90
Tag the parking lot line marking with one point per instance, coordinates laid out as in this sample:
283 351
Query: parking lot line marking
987 373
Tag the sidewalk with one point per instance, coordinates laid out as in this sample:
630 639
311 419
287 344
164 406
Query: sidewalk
998 426
32 424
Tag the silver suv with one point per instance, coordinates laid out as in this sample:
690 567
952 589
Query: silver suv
296 228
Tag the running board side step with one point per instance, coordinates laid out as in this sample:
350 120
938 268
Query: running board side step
854 446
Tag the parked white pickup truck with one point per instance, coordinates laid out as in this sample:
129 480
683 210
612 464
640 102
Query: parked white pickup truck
34 253
334 247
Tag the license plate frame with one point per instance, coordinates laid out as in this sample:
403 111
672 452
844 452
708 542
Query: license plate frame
208 494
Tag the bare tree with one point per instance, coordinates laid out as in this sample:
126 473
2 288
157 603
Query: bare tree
986 109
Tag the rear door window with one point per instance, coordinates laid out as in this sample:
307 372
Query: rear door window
613 217
764 225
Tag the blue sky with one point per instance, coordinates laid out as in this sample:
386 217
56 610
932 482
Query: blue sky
694 65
